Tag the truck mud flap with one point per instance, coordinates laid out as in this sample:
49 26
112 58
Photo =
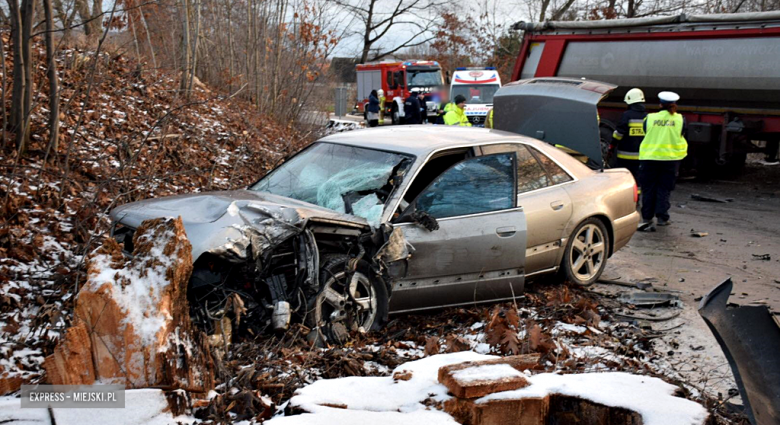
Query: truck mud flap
750 338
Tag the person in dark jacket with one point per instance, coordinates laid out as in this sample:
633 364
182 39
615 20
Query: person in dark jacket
441 108
412 109
372 110
629 132
423 108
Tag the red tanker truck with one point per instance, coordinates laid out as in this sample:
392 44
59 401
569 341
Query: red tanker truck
725 67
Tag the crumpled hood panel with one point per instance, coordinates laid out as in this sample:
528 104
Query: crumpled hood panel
199 208
231 222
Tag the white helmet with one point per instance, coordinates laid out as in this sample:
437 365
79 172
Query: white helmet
380 92
634 96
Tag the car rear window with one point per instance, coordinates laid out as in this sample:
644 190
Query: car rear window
530 174
555 172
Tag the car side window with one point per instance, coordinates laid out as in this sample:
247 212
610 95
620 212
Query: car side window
530 174
475 185
555 172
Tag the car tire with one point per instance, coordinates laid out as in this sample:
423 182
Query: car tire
396 117
326 305
586 253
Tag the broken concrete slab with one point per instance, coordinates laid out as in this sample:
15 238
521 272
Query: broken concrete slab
480 378
551 409
132 322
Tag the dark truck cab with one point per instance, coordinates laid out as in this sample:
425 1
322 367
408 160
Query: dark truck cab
725 68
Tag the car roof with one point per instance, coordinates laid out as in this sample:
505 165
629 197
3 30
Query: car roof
422 140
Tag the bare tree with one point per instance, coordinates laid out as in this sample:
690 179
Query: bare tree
21 17
416 18
54 92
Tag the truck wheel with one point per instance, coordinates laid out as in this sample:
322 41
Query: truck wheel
347 301
586 253
731 167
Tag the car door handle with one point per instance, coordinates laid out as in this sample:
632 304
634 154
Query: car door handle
505 232
556 205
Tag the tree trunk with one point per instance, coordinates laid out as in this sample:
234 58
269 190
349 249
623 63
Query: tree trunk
148 38
54 91
17 93
62 15
2 99
195 44
21 96
82 8
135 36
96 18
185 46
28 12
367 36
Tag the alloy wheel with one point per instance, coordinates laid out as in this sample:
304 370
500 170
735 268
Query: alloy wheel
348 299
588 252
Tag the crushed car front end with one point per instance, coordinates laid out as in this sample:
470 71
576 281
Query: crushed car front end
259 256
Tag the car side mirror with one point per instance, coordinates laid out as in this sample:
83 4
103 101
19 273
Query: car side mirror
422 218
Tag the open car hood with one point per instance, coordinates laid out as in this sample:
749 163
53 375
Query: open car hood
560 111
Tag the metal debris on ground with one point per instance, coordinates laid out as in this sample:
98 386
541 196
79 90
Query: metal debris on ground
652 299
702 198
750 337
696 234
762 257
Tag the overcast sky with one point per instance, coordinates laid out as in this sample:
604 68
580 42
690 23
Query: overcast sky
505 12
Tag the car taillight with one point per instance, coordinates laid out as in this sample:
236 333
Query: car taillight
636 193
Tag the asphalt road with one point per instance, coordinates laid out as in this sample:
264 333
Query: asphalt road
742 242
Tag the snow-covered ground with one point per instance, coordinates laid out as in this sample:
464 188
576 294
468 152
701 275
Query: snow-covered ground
381 400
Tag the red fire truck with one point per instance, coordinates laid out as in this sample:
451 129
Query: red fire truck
726 69
398 80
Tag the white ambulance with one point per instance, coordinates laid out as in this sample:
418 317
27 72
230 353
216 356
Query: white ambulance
478 85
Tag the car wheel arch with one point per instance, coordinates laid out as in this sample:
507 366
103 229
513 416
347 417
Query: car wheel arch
574 224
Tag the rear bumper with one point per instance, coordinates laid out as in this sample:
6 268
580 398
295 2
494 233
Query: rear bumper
624 227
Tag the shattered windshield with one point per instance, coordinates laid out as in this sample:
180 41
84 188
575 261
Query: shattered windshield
343 178
428 78
476 94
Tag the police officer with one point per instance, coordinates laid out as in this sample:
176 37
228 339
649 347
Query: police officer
423 108
412 109
630 131
660 153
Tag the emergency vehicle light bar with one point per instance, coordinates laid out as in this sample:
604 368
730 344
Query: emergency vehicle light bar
476 68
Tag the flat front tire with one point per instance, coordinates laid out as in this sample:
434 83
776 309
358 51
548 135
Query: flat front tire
586 253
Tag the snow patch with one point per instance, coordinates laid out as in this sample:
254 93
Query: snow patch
486 373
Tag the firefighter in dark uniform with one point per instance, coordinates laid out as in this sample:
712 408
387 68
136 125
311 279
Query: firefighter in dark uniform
629 133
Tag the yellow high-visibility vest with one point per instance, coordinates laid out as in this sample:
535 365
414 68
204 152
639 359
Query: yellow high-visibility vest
663 138
456 116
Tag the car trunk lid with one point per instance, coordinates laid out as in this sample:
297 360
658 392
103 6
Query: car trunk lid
559 111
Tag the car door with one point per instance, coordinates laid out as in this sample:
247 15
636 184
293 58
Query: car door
476 254
546 204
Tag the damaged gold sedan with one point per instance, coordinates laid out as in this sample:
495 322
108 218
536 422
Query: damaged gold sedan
365 223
